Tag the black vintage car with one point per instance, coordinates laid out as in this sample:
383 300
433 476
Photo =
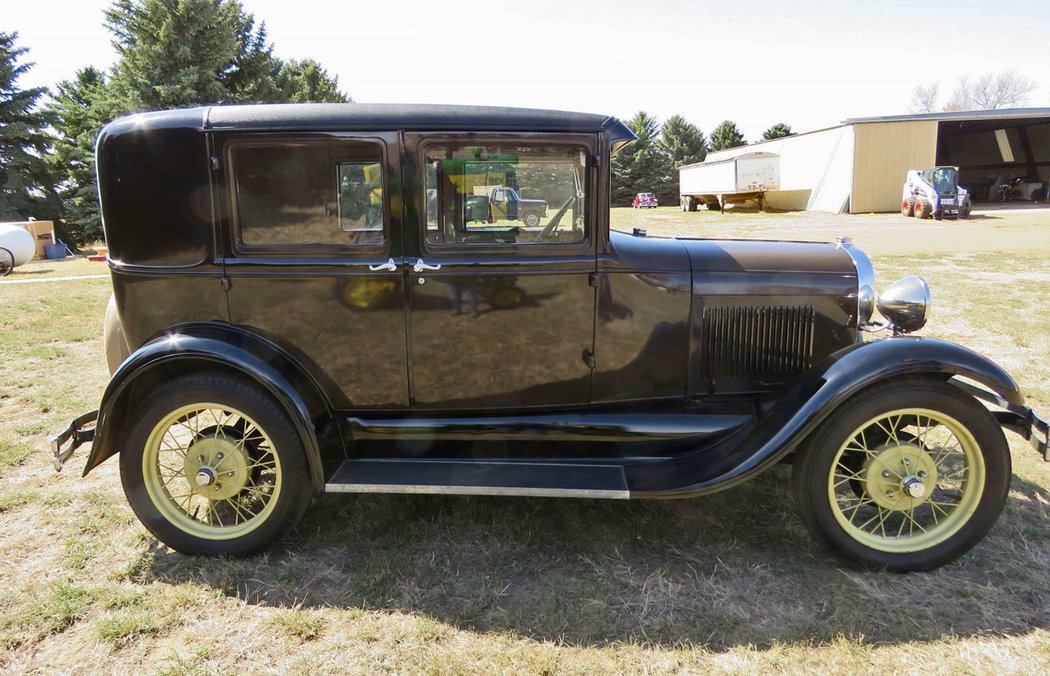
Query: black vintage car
303 305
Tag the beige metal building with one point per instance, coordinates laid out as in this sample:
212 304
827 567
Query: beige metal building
859 166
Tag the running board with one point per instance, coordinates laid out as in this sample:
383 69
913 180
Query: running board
476 477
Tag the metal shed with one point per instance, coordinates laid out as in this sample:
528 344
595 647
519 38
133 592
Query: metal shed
859 166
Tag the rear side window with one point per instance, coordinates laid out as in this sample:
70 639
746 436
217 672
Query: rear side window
292 194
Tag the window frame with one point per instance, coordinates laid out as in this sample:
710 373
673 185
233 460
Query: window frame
581 142
243 248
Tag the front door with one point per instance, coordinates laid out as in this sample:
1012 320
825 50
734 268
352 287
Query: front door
501 303
315 257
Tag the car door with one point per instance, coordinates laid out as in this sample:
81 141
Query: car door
500 313
314 258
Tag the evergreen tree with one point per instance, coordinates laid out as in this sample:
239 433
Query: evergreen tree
726 135
643 166
778 130
682 141
306 81
171 54
81 107
24 180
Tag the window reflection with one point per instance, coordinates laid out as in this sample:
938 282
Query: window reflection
499 194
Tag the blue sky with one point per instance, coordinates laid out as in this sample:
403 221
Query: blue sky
810 63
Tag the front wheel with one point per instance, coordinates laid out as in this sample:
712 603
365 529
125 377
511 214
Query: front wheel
213 466
908 477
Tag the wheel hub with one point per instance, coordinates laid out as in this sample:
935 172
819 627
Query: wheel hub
900 476
216 467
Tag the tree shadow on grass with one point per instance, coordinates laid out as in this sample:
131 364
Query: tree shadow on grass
734 569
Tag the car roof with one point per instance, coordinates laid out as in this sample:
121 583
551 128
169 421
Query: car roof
373 116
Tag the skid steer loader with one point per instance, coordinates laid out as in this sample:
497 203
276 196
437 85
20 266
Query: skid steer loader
935 193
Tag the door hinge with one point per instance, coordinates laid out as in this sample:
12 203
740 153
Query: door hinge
224 282
589 359
215 163
592 279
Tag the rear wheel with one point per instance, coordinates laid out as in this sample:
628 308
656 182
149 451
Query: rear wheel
214 466
923 209
531 220
906 478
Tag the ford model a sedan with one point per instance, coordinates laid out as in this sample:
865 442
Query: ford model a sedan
337 298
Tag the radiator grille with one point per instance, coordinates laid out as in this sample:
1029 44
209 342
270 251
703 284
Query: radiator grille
763 342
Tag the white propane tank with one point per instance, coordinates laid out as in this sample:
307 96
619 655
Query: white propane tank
18 241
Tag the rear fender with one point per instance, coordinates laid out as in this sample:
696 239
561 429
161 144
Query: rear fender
844 374
219 348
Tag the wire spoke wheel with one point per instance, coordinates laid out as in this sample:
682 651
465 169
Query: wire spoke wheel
920 475
211 471
907 476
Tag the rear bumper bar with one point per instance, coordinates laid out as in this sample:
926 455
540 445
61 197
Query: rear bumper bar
1019 419
75 435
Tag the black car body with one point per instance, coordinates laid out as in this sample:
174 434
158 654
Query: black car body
323 259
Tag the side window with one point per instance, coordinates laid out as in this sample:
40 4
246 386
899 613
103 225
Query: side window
505 194
291 194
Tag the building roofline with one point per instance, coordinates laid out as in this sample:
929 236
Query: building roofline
961 115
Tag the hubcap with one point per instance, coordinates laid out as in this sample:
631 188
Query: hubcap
205 476
886 475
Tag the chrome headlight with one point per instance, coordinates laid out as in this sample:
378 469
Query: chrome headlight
865 279
905 304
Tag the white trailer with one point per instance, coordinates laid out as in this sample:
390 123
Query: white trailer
736 179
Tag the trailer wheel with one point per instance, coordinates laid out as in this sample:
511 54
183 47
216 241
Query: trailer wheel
908 207
713 205
690 203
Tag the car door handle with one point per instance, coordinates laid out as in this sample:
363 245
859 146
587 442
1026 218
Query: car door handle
420 266
390 266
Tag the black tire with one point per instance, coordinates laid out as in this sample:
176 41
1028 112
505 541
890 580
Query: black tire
813 476
690 203
289 501
531 220
7 262
923 209
964 211
713 205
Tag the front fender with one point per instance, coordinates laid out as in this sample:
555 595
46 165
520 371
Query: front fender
217 347
807 404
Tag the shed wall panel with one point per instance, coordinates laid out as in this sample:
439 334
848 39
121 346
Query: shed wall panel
883 154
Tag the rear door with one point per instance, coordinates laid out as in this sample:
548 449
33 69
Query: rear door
501 312
315 257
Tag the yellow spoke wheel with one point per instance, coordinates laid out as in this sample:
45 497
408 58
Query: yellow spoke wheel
211 471
908 475
921 476
213 465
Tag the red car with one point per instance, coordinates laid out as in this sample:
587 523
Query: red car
644 199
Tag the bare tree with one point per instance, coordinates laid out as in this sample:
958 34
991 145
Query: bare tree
924 98
991 91
1005 89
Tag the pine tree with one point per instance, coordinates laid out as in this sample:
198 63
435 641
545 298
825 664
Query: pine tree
643 166
682 141
81 107
24 180
171 54
778 130
306 81
726 135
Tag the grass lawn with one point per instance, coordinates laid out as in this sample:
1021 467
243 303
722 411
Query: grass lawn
461 585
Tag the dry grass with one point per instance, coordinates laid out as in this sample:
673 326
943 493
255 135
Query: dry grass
411 584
